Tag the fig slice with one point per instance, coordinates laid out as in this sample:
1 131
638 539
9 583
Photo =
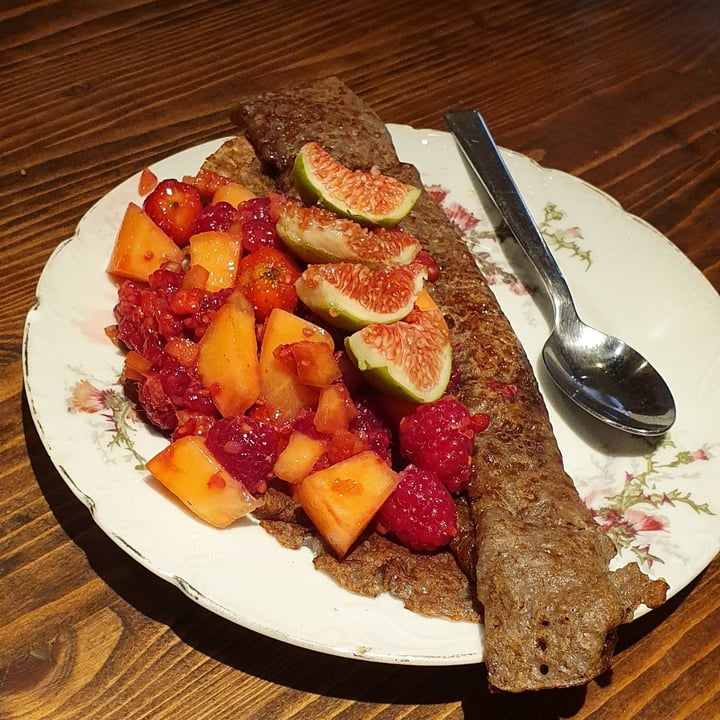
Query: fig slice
410 359
370 198
316 235
352 295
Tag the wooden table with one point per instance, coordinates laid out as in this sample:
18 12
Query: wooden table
625 95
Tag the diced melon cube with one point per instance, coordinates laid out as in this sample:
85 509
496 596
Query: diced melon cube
219 253
342 499
425 303
316 364
281 391
233 193
141 247
189 470
298 458
335 409
228 358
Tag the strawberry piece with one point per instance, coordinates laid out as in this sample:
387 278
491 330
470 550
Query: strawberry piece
175 207
267 279
430 263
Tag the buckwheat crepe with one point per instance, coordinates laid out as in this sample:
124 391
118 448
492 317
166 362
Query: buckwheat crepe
533 558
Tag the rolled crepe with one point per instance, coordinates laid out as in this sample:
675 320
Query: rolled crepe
550 604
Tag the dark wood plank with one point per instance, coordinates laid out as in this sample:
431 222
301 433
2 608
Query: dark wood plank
624 95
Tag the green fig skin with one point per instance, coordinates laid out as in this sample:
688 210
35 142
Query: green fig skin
313 245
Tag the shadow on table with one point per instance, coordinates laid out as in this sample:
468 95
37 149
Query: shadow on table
286 665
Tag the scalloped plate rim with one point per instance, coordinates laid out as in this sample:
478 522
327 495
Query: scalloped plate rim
347 650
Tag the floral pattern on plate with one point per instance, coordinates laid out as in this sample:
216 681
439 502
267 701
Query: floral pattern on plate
641 507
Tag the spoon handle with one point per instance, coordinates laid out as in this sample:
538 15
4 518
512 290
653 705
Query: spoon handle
482 153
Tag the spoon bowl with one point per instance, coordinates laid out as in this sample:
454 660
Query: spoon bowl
610 380
599 372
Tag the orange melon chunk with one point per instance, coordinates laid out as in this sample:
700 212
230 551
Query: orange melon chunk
342 499
189 470
141 247
281 391
335 409
425 303
316 363
219 253
227 357
233 193
298 458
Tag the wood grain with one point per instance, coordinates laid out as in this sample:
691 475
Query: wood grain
625 95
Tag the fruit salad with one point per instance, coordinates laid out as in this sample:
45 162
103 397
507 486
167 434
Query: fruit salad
292 344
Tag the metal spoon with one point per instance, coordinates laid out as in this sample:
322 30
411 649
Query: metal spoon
602 374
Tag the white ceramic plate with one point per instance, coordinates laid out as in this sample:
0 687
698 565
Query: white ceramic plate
659 502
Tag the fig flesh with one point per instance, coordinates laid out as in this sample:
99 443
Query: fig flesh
370 198
350 296
410 359
316 235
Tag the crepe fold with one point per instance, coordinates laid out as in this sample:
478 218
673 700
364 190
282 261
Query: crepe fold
550 604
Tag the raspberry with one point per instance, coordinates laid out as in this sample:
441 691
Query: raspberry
183 386
304 422
216 217
256 225
438 436
156 404
368 426
162 317
246 448
164 310
143 314
420 512
167 279
171 390
455 378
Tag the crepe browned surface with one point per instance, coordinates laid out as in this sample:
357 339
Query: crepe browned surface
550 604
